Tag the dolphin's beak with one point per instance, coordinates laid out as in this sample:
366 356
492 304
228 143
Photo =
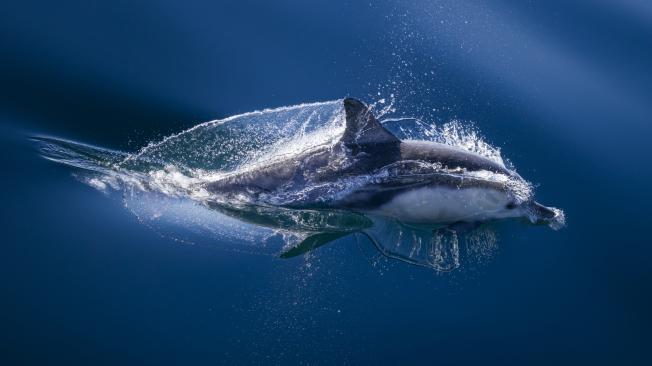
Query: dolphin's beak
541 211
541 214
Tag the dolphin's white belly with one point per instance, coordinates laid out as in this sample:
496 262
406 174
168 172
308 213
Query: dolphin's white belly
447 205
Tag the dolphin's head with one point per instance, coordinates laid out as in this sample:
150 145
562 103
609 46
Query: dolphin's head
521 204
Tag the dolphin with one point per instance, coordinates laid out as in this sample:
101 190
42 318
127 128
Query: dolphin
457 187
415 200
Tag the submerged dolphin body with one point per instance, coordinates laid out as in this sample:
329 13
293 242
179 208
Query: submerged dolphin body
414 182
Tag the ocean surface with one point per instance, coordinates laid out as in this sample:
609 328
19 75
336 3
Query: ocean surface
107 258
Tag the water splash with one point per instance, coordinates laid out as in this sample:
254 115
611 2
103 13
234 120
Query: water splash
163 184
243 141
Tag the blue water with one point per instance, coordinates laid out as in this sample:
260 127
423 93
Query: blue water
563 88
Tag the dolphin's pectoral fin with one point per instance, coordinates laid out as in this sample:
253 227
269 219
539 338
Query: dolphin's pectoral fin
312 242
362 127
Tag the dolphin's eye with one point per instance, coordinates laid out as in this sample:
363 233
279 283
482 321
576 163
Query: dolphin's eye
510 206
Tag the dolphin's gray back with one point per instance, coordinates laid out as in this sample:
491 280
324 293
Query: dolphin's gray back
274 175
326 164
365 147
449 157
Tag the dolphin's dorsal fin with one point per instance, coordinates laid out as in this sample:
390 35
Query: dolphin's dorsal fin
362 128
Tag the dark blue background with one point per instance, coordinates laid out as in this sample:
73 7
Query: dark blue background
564 87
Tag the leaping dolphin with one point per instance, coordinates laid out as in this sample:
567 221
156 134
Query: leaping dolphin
411 198
415 182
